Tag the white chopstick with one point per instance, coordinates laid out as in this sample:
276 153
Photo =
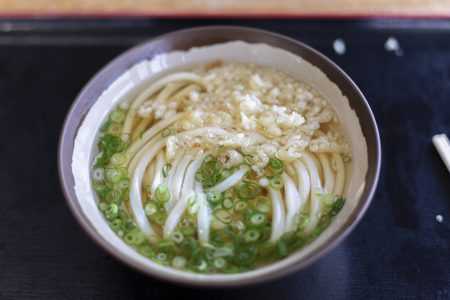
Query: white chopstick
442 145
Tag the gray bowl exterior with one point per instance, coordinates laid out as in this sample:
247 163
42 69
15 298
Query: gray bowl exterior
203 36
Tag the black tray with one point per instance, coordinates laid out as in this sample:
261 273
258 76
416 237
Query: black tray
399 250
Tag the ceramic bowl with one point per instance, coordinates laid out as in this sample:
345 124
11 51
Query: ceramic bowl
123 77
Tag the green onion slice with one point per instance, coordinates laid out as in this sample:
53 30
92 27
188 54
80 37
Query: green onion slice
118 159
274 168
177 237
179 262
112 211
276 183
162 193
263 205
248 191
223 216
251 235
227 203
219 262
113 196
258 219
214 197
240 206
117 116
166 169
150 208
337 206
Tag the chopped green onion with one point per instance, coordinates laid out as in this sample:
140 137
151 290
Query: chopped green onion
135 237
216 238
220 262
98 186
162 193
258 219
317 231
97 174
113 196
150 208
275 163
240 206
118 159
177 237
248 191
161 256
117 116
217 225
244 256
166 246
226 173
210 171
276 183
105 126
146 250
327 199
208 252
102 206
168 131
102 193
179 262
281 249
263 205
129 225
188 231
112 211
194 206
337 206
112 143
202 266
238 224
214 197
198 177
186 222
116 225
266 231
227 203
223 216
166 169
228 193
113 175
324 221
189 245
251 235
123 184
274 168
303 222
115 129
126 139
159 218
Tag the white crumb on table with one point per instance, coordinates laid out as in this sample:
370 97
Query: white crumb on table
392 45
439 218
339 46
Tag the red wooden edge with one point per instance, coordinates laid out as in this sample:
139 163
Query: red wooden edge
170 15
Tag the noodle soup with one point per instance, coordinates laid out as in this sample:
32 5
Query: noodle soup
222 168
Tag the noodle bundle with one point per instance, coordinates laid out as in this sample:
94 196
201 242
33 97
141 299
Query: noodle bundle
221 169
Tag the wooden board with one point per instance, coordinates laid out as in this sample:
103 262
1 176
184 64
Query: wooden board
228 8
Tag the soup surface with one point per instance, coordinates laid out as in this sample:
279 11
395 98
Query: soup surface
221 169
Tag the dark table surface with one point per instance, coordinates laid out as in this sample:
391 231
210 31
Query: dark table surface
399 250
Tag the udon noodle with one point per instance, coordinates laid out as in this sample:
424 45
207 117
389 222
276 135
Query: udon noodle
222 168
